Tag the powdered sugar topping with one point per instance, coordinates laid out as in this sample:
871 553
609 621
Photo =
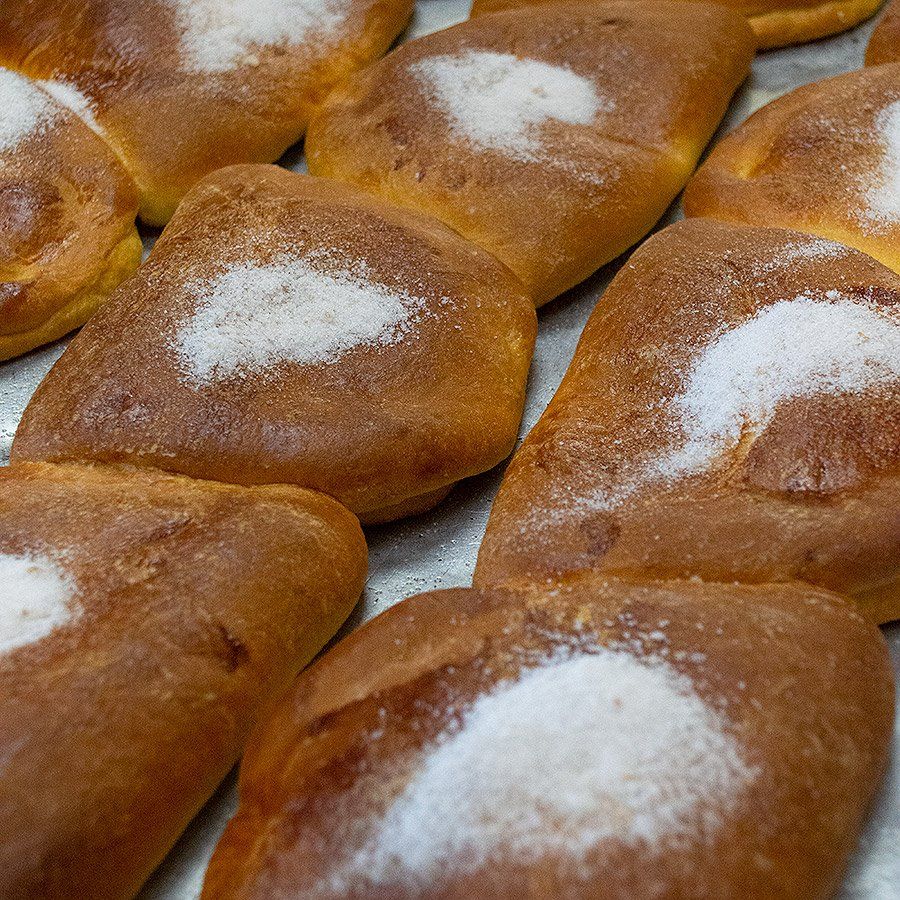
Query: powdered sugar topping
500 102
582 749
68 95
221 35
801 347
308 310
883 196
36 596
26 109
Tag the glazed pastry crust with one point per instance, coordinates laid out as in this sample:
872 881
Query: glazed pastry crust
775 23
199 603
814 494
884 45
804 161
170 125
667 72
804 680
67 233
378 428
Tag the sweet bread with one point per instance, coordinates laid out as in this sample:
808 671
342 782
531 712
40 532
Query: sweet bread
182 87
292 329
146 622
824 158
732 412
554 137
884 45
603 739
776 23
67 208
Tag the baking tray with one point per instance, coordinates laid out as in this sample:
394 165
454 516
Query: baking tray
438 550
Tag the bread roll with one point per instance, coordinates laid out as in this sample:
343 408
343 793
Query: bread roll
146 622
776 23
884 45
824 158
732 412
554 137
182 87
67 209
291 329
603 739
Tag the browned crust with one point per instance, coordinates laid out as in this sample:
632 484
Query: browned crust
814 495
171 126
67 232
884 45
375 429
199 603
669 69
776 23
806 683
799 162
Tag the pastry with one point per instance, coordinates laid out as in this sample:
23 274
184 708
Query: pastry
291 329
824 158
732 412
554 137
67 209
146 622
776 23
884 45
182 87
603 739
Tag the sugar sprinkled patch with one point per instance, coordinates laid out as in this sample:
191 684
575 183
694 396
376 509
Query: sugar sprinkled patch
221 35
883 197
802 347
585 748
498 101
35 597
799 347
69 96
309 311
26 109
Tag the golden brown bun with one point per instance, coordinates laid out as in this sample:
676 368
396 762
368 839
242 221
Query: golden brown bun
776 23
663 74
625 472
198 603
884 45
173 116
67 234
812 160
802 683
376 427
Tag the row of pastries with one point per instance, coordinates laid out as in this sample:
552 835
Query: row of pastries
667 679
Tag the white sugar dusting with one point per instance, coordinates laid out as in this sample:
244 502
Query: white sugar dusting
583 749
794 348
26 110
221 35
500 102
308 311
36 596
69 96
883 197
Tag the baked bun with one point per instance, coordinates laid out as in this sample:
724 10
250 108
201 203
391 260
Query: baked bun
67 209
776 23
183 87
554 137
884 45
292 329
606 739
732 412
824 158
146 622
